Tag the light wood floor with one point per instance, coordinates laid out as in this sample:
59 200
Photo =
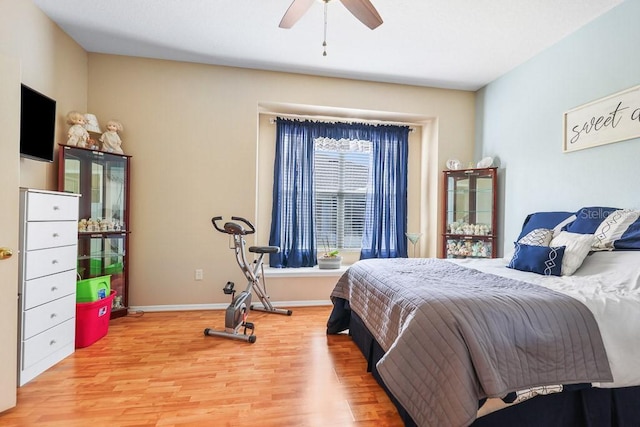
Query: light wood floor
160 370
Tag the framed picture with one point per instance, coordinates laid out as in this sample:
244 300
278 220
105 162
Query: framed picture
611 119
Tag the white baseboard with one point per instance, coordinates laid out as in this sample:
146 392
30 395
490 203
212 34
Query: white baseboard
221 306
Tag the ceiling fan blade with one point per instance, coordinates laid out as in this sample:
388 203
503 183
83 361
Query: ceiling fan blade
364 11
295 12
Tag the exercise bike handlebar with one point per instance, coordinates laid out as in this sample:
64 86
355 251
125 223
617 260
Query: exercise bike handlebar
232 227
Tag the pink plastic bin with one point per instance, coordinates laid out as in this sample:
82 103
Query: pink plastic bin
92 320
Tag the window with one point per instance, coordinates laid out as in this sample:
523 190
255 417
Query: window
340 176
350 158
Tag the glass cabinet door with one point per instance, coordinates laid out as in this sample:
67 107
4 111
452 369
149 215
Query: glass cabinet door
469 213
102 180
470 204
103 254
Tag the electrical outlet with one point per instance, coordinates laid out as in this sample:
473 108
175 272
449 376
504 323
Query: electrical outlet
199 274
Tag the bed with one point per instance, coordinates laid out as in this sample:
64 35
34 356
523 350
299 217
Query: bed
545 336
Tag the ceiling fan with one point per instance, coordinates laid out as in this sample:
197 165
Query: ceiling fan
361 9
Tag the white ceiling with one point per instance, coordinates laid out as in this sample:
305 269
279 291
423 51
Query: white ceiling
459 44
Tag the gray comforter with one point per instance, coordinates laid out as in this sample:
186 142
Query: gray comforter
454 335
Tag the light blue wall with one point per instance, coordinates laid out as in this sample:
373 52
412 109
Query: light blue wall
519 121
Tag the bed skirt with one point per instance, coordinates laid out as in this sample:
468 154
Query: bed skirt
592 407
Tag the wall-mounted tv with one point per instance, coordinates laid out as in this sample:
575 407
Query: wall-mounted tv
37 125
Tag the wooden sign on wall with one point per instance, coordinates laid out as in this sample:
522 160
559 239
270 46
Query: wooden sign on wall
611 119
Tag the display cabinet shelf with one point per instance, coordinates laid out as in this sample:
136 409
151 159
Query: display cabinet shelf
469 213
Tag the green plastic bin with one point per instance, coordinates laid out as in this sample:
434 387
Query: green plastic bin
93 289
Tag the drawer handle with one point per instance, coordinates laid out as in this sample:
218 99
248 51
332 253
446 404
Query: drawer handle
56 208
56 235
55 261
52 342
54 288
54 315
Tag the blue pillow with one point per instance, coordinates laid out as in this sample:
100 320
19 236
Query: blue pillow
630 239
546 260
547 220
588 219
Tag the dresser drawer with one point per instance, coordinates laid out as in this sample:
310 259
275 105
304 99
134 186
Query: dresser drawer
50 261
50 234
42 345
46 316
51 207
48 288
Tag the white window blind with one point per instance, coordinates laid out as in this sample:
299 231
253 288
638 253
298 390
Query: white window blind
340 175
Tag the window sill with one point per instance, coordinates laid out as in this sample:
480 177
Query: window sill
304 272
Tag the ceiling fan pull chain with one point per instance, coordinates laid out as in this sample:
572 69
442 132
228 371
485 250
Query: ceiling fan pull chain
324 43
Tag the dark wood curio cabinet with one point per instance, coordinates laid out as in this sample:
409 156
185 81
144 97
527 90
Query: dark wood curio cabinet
102 180
469 217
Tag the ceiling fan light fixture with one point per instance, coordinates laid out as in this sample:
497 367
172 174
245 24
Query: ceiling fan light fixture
363 10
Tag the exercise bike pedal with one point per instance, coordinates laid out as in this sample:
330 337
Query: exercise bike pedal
248 325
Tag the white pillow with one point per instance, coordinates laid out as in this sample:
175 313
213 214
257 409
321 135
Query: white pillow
577 247
537 237
612 228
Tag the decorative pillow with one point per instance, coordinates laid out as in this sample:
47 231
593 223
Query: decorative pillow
588 219
558 228
548 220
613 227
577 247
538 237
630 239
538 259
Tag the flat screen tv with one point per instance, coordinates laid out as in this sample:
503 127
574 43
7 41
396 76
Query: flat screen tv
37 125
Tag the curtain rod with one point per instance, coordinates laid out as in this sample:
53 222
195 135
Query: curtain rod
342 119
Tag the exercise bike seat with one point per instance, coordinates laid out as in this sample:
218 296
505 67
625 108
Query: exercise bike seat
264 249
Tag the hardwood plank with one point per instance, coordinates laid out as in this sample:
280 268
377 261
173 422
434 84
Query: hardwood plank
160 370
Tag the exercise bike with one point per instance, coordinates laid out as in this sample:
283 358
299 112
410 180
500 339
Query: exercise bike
236 313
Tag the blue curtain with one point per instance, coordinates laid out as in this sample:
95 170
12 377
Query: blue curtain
292 225
292 217
386 209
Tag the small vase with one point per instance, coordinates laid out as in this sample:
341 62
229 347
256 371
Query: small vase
329 263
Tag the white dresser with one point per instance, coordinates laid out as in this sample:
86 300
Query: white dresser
47 291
